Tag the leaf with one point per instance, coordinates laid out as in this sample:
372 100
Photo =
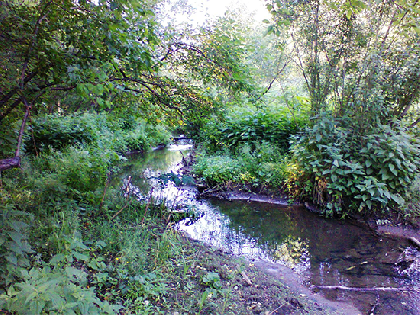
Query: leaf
80 256
57 258
392 169
75 274
100 244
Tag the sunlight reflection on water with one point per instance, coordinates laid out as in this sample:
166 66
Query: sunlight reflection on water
323 252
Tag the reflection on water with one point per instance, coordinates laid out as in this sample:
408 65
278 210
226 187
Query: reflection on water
323 252
147 171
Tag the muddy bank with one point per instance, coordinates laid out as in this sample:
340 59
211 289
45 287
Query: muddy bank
391 225
246 196
254 287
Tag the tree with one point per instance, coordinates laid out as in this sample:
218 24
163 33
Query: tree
85 55
52 46
351 52
360 63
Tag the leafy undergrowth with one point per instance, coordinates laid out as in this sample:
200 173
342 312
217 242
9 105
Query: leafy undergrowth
126 259
209 281
252 169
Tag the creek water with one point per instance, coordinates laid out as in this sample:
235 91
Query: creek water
321 252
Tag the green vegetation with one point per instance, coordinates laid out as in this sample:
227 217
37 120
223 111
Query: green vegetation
71 243
321 103
249 147
355 145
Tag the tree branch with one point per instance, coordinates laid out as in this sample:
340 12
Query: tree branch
15 161
274 79
22 127
14 90
374 289
25 65
414 123
12 107
146 85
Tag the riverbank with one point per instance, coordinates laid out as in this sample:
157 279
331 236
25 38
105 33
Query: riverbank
354 260
387 224
238 286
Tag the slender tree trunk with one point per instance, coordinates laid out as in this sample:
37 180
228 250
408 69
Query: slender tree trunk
15 162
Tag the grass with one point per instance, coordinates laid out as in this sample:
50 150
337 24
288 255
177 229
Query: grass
413 206
128 264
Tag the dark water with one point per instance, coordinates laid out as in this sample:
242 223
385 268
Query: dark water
323 252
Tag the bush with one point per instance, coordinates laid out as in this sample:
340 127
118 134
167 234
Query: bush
346 170
256 164
103 130
253 125
58 132
217 169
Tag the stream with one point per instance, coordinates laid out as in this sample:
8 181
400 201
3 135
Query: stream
320 252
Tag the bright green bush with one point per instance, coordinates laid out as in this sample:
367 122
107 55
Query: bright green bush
253 125
217 169
249 145
103 130
158 134
58 132
256 164
344 169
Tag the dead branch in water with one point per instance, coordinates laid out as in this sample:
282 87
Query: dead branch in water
415 241
358 289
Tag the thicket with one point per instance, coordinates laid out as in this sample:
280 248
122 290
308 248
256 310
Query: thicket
63 249
248 147
343 170
360 65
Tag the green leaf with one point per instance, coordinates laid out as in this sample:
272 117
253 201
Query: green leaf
80 256
57 258
392 169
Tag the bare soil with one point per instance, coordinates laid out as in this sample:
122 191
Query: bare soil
250 287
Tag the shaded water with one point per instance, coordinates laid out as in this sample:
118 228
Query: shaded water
322 252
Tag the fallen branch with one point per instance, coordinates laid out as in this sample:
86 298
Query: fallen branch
415 241
147 205
9 163
275 311
374 289
246 278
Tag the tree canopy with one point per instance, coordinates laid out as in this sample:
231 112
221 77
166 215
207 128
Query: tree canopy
109 55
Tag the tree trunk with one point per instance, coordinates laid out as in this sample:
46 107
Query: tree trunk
15 162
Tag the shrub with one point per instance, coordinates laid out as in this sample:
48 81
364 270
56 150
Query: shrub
217 169
256 164
253 125
344 168
54 287
58 132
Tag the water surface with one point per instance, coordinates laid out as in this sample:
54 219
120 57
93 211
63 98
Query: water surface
323 252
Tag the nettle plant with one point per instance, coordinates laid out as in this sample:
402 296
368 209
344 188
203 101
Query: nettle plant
29 285
345 170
